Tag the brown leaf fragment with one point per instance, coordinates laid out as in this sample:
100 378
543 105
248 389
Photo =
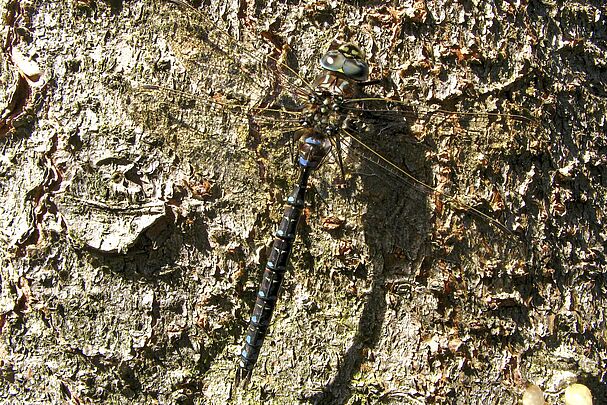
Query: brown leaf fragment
305 214
332 223
386 16
557 207
24 294
466 54
497 203
203 322
345 248
418 12
201 190
438 206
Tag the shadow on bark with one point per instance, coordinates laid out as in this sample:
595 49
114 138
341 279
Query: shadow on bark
395 227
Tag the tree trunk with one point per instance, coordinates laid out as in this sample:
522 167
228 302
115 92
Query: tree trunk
137 220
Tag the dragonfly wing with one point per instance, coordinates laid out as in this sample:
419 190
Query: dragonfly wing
210 83
226 65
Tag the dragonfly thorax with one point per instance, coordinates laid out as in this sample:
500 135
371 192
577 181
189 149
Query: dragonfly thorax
324 112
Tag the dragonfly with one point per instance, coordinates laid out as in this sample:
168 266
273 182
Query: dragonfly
326 116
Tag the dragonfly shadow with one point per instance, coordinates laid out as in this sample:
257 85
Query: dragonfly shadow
366 338
410 245
396 226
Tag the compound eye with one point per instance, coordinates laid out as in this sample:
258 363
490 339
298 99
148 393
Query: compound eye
356 70
333 61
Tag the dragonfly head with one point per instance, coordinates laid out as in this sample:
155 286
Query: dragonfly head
348 60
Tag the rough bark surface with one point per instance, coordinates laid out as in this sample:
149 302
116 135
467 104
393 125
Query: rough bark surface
135 222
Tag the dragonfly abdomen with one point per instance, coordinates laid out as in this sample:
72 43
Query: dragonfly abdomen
272 279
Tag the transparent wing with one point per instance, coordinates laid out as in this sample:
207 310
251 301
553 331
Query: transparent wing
239 87
386 167
457 144
210 91
222 66
418 118
211 133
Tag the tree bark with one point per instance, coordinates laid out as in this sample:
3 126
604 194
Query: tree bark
136 221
